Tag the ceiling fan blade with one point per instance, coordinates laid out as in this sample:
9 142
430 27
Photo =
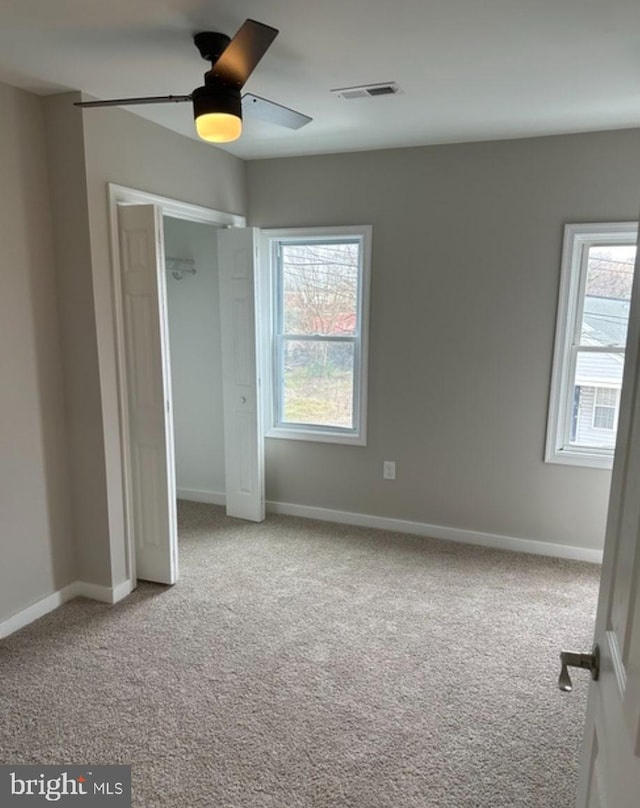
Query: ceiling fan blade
126 102
256 107
243 53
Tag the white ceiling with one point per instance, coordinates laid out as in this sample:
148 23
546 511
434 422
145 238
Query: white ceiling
470 69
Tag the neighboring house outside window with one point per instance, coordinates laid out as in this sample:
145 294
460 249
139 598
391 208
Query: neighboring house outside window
319 282
593 315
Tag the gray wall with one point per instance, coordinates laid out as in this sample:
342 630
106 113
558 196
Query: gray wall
466 262
68 178
35 524
196 372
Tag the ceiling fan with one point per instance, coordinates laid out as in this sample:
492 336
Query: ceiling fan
218 104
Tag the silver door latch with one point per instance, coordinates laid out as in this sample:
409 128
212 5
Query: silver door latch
571 659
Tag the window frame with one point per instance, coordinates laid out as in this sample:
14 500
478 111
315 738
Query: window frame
271 313
578 238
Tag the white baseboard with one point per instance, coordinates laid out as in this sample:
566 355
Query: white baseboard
105 594
493 540
37 610
93 592
77 589
195 495
439 532
121 591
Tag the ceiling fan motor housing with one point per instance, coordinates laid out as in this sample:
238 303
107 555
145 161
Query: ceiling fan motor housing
216 97
211 45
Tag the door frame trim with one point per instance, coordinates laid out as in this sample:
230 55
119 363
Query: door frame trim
177 209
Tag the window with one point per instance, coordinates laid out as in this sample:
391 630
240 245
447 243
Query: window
319 318
605 408
593 315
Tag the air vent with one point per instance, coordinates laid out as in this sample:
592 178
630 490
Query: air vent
366 90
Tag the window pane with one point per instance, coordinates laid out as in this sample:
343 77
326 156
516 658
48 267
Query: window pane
594 408
318 383
320 288
607 294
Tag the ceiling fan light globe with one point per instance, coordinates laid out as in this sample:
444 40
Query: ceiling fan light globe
218 127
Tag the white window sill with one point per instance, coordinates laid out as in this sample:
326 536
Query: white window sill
584 458
324 436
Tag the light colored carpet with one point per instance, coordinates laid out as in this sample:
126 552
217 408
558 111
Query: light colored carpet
300 664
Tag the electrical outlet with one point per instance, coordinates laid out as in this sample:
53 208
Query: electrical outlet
389 470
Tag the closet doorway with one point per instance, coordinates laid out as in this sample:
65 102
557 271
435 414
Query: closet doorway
162 251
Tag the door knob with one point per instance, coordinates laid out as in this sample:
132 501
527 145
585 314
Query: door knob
570 659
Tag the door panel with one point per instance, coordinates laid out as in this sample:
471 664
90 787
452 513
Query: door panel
610 774
244 443
151 463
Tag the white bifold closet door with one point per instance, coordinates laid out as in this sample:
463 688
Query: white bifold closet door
152 487
243 433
